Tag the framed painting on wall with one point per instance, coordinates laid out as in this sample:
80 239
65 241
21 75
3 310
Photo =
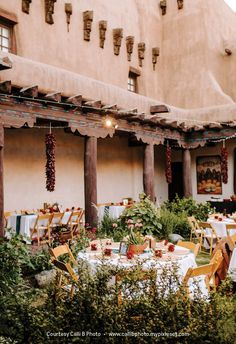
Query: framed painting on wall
209 175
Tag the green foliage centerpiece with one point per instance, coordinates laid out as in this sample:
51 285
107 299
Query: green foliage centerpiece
144 216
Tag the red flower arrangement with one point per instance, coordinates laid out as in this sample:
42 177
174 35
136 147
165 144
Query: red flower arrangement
224 165
171 248
50 142
129 255
94 247
158 253
168 165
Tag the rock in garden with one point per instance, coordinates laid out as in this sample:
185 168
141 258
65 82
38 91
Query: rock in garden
175 238
45 278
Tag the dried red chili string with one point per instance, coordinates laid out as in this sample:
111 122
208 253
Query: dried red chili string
50 142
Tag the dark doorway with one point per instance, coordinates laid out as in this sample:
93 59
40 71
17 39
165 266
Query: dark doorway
176 187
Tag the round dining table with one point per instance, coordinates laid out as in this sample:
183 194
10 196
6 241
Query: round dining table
182 259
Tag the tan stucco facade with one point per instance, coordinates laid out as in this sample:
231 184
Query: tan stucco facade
193 75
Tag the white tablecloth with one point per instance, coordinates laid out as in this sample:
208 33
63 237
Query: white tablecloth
28 221
113 211
183 262
220 227
232 266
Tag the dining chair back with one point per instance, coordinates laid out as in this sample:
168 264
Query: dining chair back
41 230
216 260
190 245
56 220
65 272
7 214
231 228
204 270
62 250
233 238
73 225
196 232
209 234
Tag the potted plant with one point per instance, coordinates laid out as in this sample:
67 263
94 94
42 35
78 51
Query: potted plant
136 242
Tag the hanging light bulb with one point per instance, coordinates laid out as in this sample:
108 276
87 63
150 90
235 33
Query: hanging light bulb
108 122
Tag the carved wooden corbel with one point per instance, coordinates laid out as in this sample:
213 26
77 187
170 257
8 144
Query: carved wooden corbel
141 51
88 19
26 6
68 10
102 32
49 10
163 6
129 46
117 38
180 4
155 53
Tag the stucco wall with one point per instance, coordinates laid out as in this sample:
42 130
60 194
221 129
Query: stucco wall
119 170
194 60
53 45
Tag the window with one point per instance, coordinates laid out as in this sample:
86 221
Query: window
133 80
5 38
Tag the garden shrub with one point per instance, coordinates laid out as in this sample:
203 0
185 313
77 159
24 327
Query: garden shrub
189 207
174 215
144 211
94 309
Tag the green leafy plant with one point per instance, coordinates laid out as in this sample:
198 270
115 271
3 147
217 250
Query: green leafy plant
190 207
173 223
144 211
135 238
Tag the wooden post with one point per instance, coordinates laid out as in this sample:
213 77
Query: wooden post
148 171
90 179
1 182
187 180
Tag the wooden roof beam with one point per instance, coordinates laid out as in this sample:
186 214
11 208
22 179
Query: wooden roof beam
31 91
93 103
76 100
159 109
5 63
54 96
110 107
5 86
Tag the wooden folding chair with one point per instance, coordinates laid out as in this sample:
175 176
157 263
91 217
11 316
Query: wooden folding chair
73 225
7 214
61 250
65 271
196 232
41 230
204 270
190 245
233 238
209 237
56 220
216 260
231 227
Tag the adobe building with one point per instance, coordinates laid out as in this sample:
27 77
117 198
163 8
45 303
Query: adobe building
162 72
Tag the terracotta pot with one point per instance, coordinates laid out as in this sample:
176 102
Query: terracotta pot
137 249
